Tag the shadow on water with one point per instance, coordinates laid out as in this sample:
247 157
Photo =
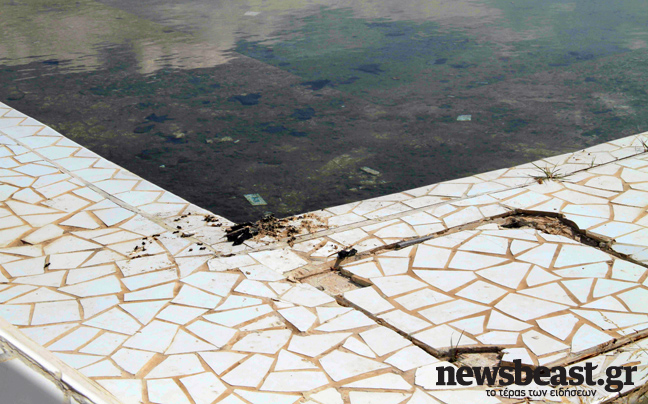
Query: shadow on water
291 99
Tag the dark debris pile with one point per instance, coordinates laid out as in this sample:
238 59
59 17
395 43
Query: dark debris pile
269 225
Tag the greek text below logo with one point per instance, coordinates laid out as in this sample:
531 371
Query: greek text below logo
541 375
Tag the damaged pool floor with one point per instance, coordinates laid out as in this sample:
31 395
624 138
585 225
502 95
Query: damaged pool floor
138 290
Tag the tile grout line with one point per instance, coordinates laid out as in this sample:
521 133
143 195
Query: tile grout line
450 201
369 222
113 198
452 351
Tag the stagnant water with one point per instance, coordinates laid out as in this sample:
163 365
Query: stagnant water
292 98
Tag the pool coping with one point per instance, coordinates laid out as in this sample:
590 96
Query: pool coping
334 220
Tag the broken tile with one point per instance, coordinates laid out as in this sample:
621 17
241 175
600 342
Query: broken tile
217 335
314 345
219 362
155 337
55 312
250 372
341 365
164 391
527 308
299 317
204 388
115 320
176 365
368 299
263 342
180 314
294 381
410 357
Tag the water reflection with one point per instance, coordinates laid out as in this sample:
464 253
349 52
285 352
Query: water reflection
194 34
291 99
76 36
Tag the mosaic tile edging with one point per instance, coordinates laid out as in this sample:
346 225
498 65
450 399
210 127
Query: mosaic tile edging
82 389
126 189
68 245
259 255
481 184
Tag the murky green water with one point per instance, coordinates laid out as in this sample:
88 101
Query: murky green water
290 99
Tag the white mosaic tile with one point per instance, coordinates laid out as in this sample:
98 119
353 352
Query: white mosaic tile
204 388
341 365
527 308
235 317
155 337
263 342
348 321
115 320
55 312
314 345
180 314
290 361
294 381
250 372
176 365
383 340
166 390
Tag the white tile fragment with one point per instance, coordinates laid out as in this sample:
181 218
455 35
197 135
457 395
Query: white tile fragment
176 365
